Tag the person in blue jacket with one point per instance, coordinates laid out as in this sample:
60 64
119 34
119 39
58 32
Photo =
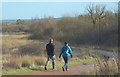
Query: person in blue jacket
66 52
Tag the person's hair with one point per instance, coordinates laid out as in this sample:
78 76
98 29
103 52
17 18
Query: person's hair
51 40
66 43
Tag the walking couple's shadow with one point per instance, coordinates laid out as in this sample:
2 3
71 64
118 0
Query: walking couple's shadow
41 69
36 69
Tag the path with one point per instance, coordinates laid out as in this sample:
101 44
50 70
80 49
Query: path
72 71
110 54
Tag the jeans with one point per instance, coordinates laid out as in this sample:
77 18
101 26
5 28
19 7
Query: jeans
66 58
53 61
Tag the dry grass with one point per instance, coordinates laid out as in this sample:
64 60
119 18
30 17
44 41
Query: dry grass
23 53
107 66
11 43
25 61
39 61
103 66
11 64
18 52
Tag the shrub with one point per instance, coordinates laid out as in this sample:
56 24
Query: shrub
39 61
106 67
26 61
32 48
25 64
12 64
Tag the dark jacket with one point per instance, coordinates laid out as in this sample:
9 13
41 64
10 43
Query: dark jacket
50 49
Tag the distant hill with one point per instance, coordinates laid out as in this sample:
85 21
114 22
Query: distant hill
13 20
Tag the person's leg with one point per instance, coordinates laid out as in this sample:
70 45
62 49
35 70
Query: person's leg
53 62
47 62
67 59
66 63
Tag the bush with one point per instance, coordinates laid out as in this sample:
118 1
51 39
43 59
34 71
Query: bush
25 64
107 67
26 61
13 64
32 48
39 61
76 30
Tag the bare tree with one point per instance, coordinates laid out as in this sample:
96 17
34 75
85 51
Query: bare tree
96 12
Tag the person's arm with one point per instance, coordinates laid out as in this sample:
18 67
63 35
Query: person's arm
70 52
54 46
47 49
60 52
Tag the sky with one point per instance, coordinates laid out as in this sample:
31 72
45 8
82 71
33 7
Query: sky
28 10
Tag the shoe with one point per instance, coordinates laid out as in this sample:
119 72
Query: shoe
67 69
45 68
53 69
63 69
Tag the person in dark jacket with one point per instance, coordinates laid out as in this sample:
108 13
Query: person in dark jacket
66 52
50 53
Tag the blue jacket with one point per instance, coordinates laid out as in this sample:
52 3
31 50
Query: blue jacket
66 51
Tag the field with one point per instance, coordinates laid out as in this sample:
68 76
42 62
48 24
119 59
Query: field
23 55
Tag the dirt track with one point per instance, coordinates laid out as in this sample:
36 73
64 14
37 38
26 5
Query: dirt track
72 71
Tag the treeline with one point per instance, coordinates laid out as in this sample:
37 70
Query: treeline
15 26
97 27
77 30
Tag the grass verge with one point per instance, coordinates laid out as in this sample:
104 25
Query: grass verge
60 63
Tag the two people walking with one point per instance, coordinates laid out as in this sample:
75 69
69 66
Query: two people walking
65 52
